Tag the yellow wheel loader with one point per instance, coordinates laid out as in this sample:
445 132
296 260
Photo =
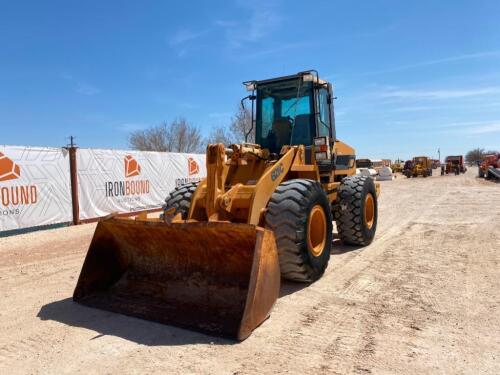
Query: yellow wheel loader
419 166
214 261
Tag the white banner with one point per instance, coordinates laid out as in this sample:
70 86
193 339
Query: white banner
34 187
119 181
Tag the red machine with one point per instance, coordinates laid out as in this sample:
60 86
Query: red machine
490 166
455 164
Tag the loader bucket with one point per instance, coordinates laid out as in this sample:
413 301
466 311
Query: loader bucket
215 277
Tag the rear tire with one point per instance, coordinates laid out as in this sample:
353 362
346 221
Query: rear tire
180 199
303 248
357 217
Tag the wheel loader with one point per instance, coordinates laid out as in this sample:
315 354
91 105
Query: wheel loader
213 262
419 166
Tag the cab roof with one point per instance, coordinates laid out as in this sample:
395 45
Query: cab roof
307 76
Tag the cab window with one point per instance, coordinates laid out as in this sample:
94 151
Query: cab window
324 113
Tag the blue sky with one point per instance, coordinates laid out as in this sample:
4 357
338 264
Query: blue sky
410 76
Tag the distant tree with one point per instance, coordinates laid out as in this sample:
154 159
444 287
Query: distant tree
221 134
241 125
239 128
490 152
181 136
474 155
152 139
178 136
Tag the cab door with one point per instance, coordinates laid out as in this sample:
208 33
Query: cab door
323 115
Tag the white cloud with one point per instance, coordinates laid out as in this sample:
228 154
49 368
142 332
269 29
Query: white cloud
256 20
131 126
271 51
86 89
438 94
183 36
220 115
259 19
81 87
483 129
450 59
469 127
463 124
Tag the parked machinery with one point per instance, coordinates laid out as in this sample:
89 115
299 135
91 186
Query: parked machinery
365 167
490 166
397 166
454 164
264 211
418 166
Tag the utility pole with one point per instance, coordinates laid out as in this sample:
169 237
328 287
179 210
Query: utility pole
74 179
439 154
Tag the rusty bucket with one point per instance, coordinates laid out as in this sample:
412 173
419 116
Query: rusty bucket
216 277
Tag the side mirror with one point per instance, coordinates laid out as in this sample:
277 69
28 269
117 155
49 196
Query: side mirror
329 99
249 97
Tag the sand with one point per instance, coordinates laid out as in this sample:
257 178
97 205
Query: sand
424 297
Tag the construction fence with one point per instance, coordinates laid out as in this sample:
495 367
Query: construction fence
42 186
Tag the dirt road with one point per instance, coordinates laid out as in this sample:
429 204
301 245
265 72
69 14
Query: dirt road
423 298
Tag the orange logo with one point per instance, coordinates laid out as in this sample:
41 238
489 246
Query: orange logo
193 166
8 169
132 167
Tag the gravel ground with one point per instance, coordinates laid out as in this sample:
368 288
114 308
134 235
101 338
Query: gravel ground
422 298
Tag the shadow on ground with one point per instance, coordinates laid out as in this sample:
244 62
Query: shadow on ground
290 287
339 248
147 332
133 329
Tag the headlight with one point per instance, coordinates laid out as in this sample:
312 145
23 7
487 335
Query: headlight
319 141
321 156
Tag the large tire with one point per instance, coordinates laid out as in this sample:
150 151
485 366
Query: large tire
180 199
356 223
303 248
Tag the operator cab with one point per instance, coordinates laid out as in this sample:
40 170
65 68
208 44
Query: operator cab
292 110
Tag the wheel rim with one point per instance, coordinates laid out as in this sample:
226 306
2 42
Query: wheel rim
369 211
316 231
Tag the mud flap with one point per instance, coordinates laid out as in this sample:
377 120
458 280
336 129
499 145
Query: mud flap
215 277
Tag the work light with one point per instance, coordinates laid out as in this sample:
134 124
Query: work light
321 148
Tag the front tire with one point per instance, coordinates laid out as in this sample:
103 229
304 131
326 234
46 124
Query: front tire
180 199
300 217
358 210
